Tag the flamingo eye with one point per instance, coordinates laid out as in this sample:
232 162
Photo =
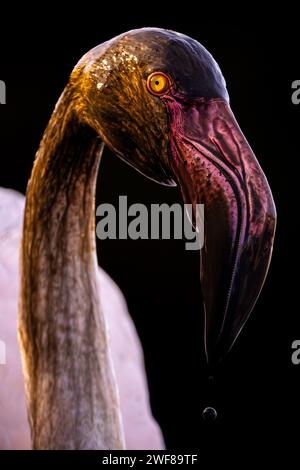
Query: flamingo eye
158 83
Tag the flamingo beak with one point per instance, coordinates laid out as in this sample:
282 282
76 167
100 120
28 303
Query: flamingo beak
214 165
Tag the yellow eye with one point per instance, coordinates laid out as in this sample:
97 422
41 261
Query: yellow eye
158 83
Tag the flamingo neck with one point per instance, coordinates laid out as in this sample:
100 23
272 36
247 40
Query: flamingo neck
70 386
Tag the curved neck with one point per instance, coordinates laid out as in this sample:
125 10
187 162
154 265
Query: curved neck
71 391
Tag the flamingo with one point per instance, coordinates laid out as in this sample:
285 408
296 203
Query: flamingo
158 100
141 431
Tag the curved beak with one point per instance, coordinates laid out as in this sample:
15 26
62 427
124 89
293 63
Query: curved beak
214 165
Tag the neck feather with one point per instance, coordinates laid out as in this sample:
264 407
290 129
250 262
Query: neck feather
71 391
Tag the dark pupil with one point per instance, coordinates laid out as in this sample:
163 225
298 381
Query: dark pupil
157 82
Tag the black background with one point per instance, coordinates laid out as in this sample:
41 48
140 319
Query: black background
256 391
